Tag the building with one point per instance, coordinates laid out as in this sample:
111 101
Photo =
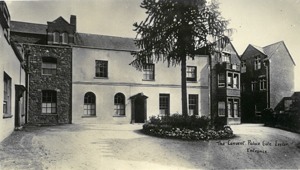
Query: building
78 77
48 53
289 105
110 90
12 75
267 77
225 85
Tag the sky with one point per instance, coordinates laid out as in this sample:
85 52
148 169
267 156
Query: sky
257 22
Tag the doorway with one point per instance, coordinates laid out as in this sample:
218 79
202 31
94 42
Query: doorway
139 108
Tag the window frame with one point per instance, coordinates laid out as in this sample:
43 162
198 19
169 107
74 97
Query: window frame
192 71
257 62
262 84
221 110
164 104
49 104
148 72
49 64
103 68
89 104
221 82
64 38
195 105
7 83
225 57
119 105
56 37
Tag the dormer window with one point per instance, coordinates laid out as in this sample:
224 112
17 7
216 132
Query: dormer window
5 20
55 37
64 38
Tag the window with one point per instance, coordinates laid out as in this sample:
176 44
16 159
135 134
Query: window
64 38
288 105
229 108
253 85
148 70
225 57
193 104
243 63
101 68
164 104
221 80
119 104
7 95
49 65
262 84
257 63
55 37
89 108
236 108
229 80
221 109
191 73
235 81
49 102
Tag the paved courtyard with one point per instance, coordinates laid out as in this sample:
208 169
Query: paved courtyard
96 146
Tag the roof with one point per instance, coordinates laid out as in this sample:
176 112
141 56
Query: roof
25 27
269 50
105 42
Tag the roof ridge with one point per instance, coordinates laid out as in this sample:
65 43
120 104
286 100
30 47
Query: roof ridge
28 22
279 42
105 35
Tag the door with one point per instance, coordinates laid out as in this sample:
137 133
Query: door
139 110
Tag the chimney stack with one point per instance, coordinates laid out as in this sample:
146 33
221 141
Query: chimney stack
73 21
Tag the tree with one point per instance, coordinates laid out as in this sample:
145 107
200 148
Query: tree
175 30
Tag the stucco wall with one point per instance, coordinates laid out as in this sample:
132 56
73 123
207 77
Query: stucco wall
126 79
9 64
281 76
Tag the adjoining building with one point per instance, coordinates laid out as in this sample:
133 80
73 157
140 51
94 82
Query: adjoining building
12 75
267 77
48 54
225 85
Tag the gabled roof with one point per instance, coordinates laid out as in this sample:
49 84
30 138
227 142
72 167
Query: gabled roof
105 42
269 50
60 19
25 27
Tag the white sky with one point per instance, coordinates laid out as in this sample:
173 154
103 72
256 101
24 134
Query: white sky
258 22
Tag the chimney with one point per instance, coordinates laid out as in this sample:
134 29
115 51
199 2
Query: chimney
73 21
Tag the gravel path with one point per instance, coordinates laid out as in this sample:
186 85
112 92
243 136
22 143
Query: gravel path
94 146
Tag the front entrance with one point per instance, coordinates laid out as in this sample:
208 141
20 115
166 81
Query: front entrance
138 108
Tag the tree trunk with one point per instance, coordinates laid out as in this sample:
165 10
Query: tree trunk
183 87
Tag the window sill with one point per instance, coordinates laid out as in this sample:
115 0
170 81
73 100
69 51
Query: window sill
88 116
148 80
6 116
100 77
49 114
119 115
192 81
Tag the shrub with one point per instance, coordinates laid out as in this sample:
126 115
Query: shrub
187 128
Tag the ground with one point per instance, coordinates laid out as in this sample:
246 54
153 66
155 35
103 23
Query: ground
98 146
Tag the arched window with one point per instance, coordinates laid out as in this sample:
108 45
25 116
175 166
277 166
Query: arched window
89 104
64 38
55 37
119 104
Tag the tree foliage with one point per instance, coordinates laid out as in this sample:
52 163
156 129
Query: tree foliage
175 29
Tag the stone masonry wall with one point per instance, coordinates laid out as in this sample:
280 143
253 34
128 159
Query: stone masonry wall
61 82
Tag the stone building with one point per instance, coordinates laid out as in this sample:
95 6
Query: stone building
12 75
48 53
267 77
